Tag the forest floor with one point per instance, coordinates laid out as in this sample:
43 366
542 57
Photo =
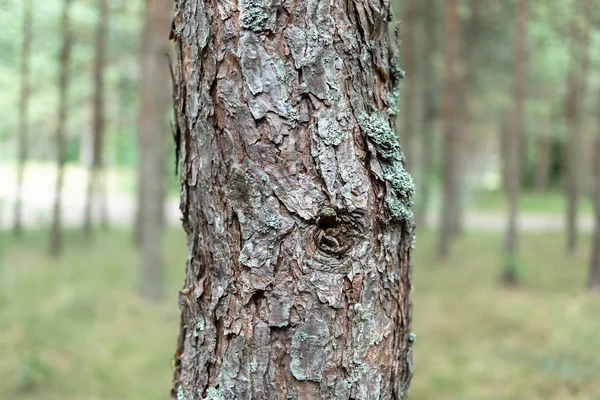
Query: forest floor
75 328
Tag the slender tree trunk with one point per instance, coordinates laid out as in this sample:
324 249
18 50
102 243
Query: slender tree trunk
514 146
594 275
542 169
430 112
23 115
408 59
450 158
61 127
464 115
153 133
295 202
576 88
95 172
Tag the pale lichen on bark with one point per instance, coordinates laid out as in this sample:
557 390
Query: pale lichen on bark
298 278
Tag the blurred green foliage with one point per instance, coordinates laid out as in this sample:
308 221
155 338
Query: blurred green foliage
121 77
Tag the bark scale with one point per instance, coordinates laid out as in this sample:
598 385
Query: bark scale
23 114
63 87
295 202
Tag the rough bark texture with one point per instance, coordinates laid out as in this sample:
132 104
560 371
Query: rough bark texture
93 193
23 114
152 136
575 94
594 275
514 146
450 158
295 202
65 55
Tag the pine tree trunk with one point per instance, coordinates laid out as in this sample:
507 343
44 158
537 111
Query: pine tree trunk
464 124
594 275
430 112
56 230
576 88
450 158
23 115
408 59
542 165
295 202
93 192
152 136
514 146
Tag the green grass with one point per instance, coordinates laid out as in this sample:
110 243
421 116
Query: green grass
76 328
529 202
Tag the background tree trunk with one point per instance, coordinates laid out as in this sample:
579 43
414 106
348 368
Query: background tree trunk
430 112
594 275
152 136
464 125
514 146
61 127
542 165
574 101
450 158
23 115
93 193
295 203
408 59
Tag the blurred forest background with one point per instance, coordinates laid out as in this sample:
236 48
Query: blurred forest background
499 118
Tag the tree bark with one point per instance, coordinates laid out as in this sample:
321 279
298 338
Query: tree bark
295 202
514 146
61 126
450 158
152 137
23 115
575 94
430 112
93 192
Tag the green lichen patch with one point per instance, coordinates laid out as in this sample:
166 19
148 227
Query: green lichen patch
399 200
412 337
380 132
398 209
396 73
180 394
401 181
333 136
214 394
273 222
392 99
255 16
393 96
199 326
